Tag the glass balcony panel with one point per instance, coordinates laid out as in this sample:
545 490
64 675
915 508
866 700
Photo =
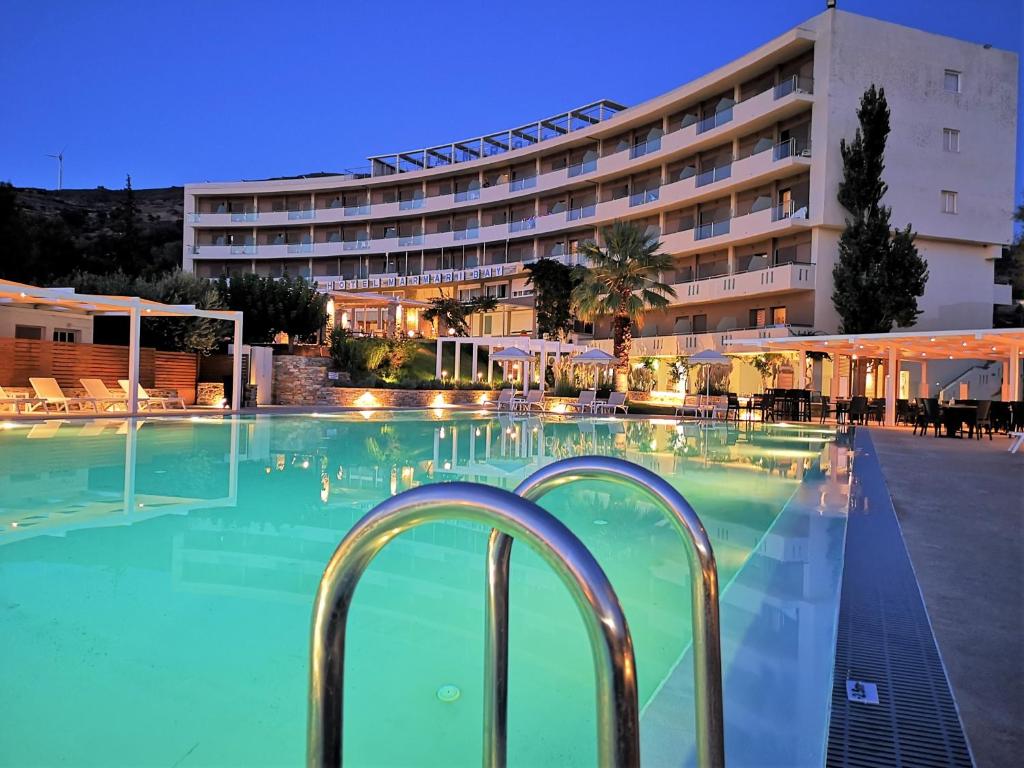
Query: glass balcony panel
713 121
523 225
473 193
527 182
244 216
789 210
355 245
306 213
243 249
587 166
583 212
794 84
714 174
410 239
644 196
645 148
359 209
411 204
467 234
300 247
712 229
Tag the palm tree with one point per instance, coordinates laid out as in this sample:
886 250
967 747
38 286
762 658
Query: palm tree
623 280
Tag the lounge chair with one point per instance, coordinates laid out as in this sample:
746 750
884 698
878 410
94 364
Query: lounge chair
17 402
615 401
504 401
104 398
50 391
534 399
147 401
1017 442
585 402
716 407
692 406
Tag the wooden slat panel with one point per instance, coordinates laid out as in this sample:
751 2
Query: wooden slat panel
69 363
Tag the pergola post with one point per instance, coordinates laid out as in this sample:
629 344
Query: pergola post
801 376
543 364
236 367
458 360
473 367
892 373
490 364
1015 372
834 388
922 386
134 332
437 362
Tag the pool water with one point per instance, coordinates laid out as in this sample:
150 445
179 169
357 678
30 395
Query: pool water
157 578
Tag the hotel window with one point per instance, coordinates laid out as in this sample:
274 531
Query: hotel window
700 323
952 81
757 318
949 202
778 315
951 139
66 335
33 332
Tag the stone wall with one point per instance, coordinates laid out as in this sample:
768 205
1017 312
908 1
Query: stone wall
298 380
209 393
361 397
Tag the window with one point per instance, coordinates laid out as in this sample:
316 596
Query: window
952 81
757 318
33 332
778 315
951 139
700 323
66 335
949 201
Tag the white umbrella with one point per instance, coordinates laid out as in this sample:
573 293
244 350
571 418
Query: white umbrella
708 358
516 355
594 357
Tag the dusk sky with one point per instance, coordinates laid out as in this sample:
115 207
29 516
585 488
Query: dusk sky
197 91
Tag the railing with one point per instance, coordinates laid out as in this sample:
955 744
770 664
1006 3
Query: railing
244 216
409 205
410 239
711 229
794 84
527 182
583 212
247 248
791 148
300 248
304 213
465 195
467 234
712 175
360 209
789 210
715 120
522 224
354 245
704 615
610 640
578 169
644 196
645 147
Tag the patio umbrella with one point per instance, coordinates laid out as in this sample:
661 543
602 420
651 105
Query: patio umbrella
516 355
708 358
594 357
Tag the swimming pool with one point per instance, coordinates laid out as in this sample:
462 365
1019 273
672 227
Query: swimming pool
157 578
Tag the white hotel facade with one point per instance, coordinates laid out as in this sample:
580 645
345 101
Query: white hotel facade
736 173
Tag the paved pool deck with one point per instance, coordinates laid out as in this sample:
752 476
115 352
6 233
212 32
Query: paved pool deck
960 504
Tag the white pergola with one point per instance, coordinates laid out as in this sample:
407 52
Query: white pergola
541 347
67 300
996 344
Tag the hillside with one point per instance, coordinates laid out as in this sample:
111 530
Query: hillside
48 233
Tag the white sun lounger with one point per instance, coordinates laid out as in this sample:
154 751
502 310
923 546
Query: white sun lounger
534 399
147 401
50 391
104 398
17 402
1017 442
615 401
585 402
505 401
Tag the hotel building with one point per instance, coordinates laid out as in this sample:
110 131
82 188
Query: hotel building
736 174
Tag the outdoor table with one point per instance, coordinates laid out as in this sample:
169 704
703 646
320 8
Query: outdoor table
955 416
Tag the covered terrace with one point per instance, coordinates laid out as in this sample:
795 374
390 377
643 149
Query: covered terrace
896 350
375 313
14 294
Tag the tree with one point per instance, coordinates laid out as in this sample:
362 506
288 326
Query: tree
552 283
127 244
453 314
201 335
879 274
286 305
623 280
1010 270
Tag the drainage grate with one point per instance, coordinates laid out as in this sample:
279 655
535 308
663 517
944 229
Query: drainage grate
884 638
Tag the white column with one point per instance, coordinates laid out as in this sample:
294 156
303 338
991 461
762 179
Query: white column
834 389
437 364
458 359
801 374
134 330
1004 389
543 364
1015 373
236 367
922 386
892 374
473 367
490 363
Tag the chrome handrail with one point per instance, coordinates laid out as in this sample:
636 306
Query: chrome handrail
707 650
610 640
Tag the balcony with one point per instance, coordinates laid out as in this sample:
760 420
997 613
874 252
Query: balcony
578 169
778 279
301 214
645 148
715 120
712 229
361 209
244 216
712 175
794 84
685 344
523 225
583 212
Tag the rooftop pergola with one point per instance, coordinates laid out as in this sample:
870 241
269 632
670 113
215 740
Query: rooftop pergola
68 300
995 344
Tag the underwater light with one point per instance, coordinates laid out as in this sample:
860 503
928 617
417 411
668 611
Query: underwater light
448 693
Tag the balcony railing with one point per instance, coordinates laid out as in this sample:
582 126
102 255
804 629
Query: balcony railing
359 209
304 213
583 212
713 121
791 148
410 205
527 182
645 148
789 210
523 225
300 247
410 239
355 245
644 196
578 169
467 234
466 195
711 229
237 250
794 84
712 175
244 216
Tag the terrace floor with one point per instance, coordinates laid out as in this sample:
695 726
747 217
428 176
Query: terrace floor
960 504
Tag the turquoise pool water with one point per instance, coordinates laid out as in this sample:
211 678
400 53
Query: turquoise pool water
156 583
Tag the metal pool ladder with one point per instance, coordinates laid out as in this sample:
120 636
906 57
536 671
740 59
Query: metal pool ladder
517 515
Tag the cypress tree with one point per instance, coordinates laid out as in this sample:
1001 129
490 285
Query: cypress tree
879 274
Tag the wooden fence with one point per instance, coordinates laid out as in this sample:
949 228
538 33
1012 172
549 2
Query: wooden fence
69 363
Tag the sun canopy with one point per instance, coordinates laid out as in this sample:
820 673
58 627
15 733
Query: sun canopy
709 357
511 354
594 357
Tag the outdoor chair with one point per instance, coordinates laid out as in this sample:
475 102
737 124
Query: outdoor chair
49 391
734 406
615 401
147 401
858 412
1018 440
904 411
982 418
504 401
585 402
692 406
104 398
768 407
17 402
534 399
928 415
717 407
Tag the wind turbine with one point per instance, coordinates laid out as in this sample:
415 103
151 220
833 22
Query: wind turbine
59 157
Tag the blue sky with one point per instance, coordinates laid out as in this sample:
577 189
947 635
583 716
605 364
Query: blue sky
224 90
